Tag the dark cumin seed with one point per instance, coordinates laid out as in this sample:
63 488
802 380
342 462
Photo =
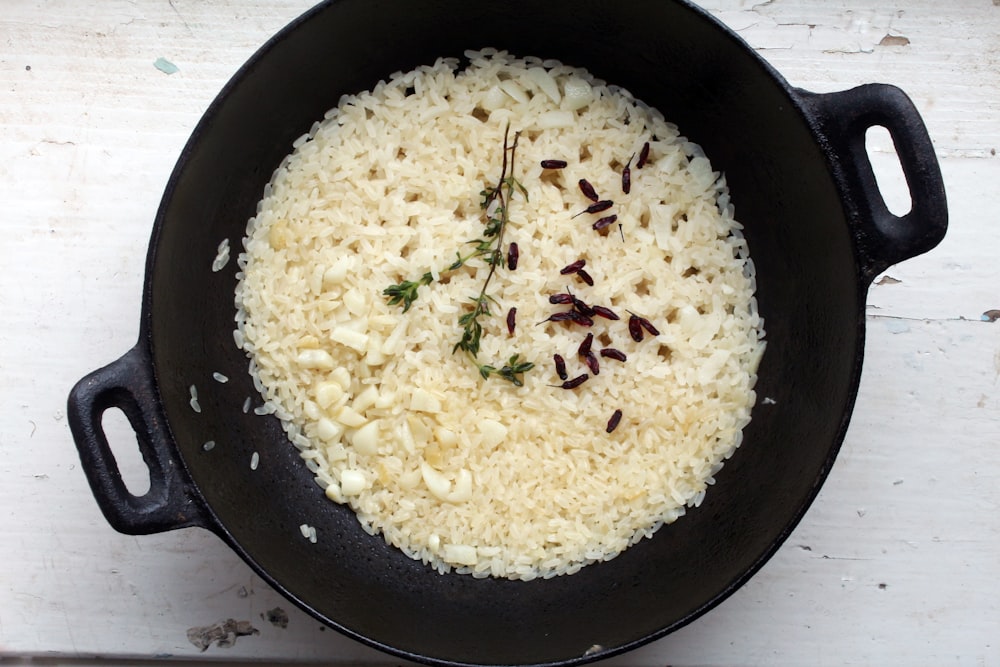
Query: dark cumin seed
585 346
574 267
616 418
560 366
513 254
606 313
511 320
597 207
559 317
627 176
612 353
574 383
561 299
588 190
635 329
605 222
585 277
644 323
554 164
580 319
582 308
643 156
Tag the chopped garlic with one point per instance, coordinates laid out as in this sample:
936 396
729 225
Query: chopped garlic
546 82
350 417
555 119
435 481
352 482
355 302
328 393
342 377
463 487
446 437
578 94
365 399
337 271
423 401
514 89
319 359
334 493
365 439
461 554
328 430
353 339
493 432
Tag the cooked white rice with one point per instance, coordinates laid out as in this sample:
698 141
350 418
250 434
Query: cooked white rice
477 476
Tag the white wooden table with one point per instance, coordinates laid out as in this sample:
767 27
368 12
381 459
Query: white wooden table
898 562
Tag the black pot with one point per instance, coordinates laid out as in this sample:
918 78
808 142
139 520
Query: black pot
818 231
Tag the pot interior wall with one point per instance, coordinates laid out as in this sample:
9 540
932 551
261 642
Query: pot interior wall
722 97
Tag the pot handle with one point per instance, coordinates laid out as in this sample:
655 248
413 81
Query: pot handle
883 238
128 384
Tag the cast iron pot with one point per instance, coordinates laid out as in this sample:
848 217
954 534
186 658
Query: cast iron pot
818 231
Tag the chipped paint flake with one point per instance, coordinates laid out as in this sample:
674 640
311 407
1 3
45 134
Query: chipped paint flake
223 635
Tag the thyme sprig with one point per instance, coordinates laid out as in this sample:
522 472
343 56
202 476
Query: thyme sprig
494 203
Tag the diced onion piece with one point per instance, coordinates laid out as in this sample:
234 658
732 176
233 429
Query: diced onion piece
541 78
423 401
352 482
349 417
493 432
460 554
463 487
353 339
365 439
514 89
436 483
554 119
434 542
578 94
318 359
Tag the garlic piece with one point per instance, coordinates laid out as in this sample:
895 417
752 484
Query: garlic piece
541 78
423 401
328 393
436 483
463 487
355 340
365 439
578 94
328 430
461 554
350 417
493 432
352 482
318 359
